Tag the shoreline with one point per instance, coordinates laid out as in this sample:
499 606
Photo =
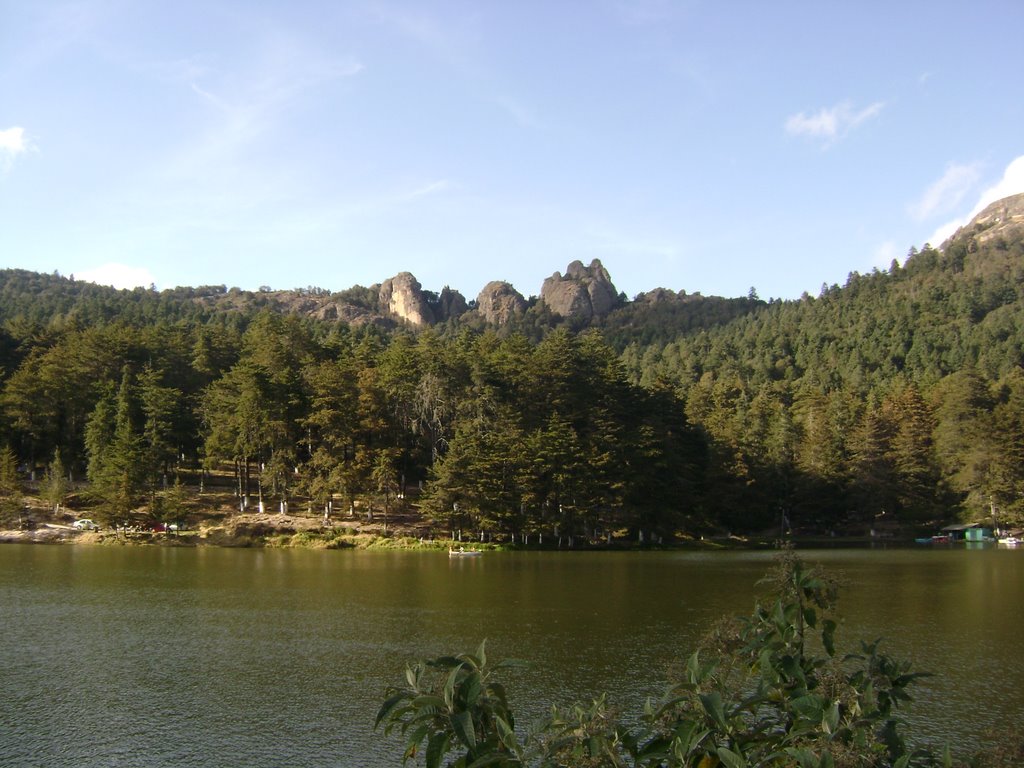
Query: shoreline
269 533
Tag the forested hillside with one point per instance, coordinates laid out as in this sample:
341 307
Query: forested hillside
898 394
897 398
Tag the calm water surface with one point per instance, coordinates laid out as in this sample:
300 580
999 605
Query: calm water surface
214 657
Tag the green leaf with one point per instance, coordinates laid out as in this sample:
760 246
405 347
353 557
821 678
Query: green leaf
462 724
506 735
828 632
693 670
810 707
713 705
427 700
730 758
687 737
830 721
471 689
449 686
437 746
388 706
810 617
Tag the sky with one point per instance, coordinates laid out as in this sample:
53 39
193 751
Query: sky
709 147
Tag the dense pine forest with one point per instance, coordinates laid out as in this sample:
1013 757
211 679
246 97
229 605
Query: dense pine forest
893 402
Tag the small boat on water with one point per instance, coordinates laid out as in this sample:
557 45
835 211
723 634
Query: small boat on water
1009 541
941 539
460 552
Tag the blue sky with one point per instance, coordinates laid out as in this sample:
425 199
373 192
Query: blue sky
701 146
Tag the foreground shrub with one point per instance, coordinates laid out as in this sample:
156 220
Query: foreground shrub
765 690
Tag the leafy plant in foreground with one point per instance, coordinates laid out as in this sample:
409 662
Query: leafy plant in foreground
453 704
766 690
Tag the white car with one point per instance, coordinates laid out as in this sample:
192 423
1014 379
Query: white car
85 524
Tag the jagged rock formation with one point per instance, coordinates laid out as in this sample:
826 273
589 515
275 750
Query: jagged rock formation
663 295
402 296
499 302
583 293
450 305
1003 218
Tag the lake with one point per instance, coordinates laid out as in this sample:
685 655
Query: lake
141 656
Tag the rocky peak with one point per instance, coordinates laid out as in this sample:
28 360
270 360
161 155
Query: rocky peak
403 297
499 302
999 219
1003 218
583 293
450 305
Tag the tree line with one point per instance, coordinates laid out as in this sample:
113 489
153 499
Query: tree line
483 433
895 399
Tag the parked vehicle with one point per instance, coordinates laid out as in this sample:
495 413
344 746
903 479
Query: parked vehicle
85 524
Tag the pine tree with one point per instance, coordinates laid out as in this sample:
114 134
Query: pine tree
55 484
115 453
11 505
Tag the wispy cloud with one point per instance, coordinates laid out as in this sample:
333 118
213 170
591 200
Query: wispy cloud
12 143
454 38
523 115
947 192
885 254
247 105
831 123
425 190
1011 183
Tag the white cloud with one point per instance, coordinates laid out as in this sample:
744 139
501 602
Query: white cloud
117 275
1011 183
831 123
12 144
945 194
885 253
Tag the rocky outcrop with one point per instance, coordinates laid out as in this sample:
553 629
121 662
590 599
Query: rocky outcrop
403 297
664 295
450 305
583 293
349 314
499 302
1004 218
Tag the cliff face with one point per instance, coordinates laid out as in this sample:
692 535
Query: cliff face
499 302
403 297
583 293
450 305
